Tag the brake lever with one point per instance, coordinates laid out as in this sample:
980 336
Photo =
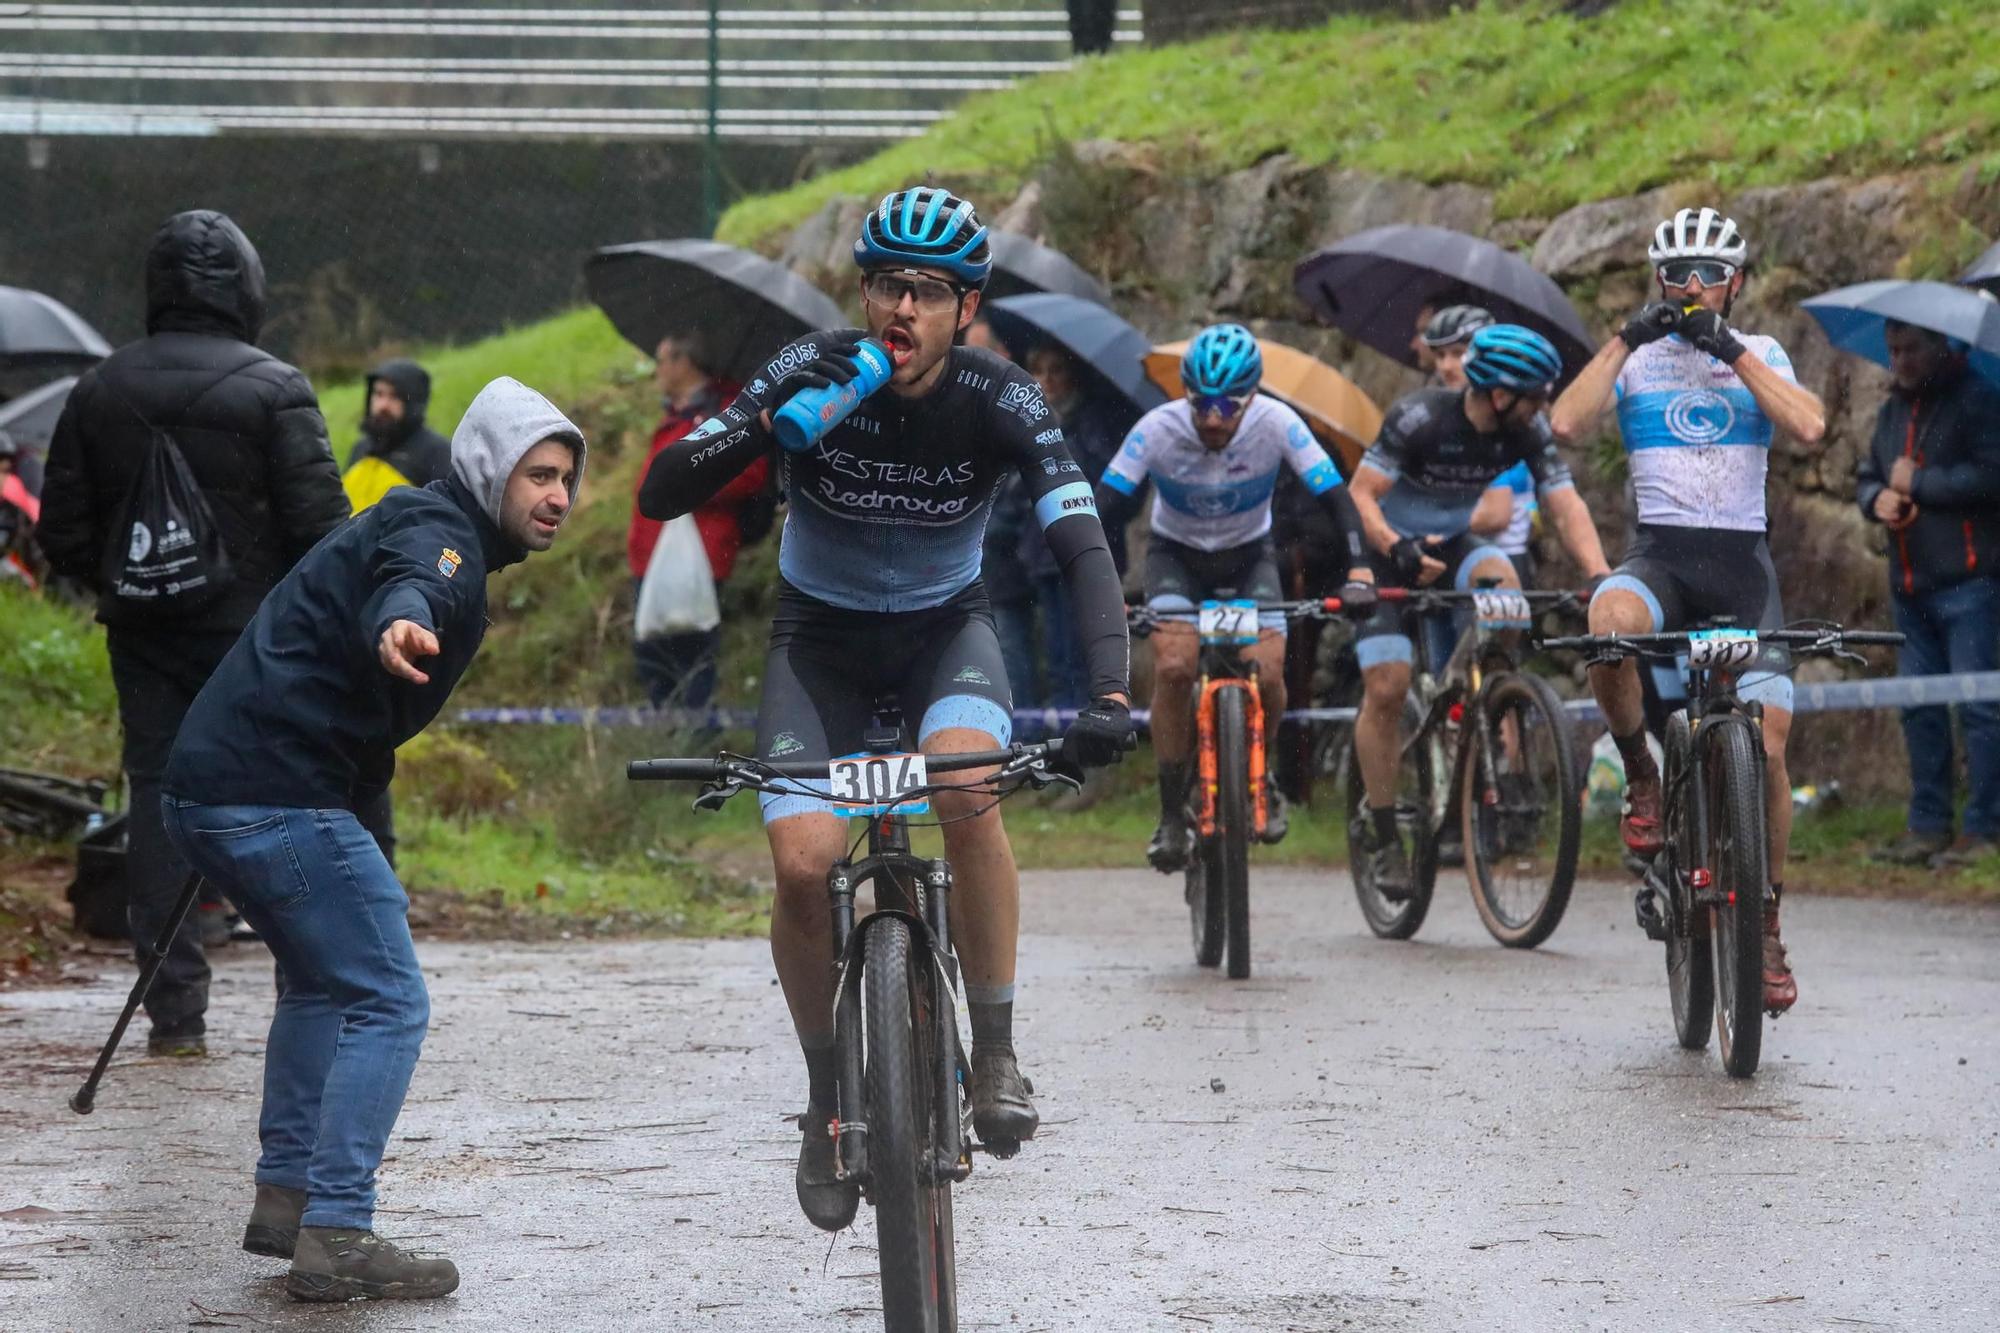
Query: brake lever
717 794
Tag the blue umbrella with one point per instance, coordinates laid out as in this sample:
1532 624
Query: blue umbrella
1111 349
1985 272
1855 318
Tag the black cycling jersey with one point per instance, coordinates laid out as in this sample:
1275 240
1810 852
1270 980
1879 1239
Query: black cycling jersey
886 512
1441 464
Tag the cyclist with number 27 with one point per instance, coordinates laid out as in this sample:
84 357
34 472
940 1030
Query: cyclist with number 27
880 596
1438 452
1213 459
1697 403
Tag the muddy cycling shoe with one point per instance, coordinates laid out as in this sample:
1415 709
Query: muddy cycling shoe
346 1264
1168 851
1001 1111
827 1201
1640 824
1389 867
274 1221
1277 820
1781 988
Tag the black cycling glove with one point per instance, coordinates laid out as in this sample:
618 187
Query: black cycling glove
834 365
1652 323
1357 599
1100 736
1709 331
1408 557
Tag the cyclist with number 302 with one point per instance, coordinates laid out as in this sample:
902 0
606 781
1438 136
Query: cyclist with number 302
881 596
1213 460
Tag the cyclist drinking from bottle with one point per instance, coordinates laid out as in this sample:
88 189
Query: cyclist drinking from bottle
1697 404
1438 452
1213 458
880 595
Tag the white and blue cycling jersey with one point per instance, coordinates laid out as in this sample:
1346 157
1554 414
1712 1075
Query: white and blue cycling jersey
1698 443
1214 500
1520 483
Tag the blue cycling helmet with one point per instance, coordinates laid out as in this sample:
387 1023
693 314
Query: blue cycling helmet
1222 361
1507 356
930 228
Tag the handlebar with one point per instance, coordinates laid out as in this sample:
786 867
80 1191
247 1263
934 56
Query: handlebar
1332 606
726 767
1827 639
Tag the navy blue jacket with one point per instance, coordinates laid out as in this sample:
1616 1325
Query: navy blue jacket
1951 429
301 712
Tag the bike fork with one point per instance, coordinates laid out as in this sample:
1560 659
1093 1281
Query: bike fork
850 1127
949 1160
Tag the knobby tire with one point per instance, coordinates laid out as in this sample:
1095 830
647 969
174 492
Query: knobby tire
896 1044
1736 860
1233 815
1546 762
1415 786
1690 962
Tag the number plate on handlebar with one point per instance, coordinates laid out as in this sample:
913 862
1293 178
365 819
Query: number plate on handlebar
1721 649
1501 608
1233 622
868 784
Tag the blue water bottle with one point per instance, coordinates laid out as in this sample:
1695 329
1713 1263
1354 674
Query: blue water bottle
811 413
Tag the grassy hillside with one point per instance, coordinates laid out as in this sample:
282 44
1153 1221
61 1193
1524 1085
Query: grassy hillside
1547 109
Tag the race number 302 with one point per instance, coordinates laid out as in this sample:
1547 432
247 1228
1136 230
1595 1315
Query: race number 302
869 784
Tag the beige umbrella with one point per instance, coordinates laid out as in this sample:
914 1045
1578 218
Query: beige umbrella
1344 418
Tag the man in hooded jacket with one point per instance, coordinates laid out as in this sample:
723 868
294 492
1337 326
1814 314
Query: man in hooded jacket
255 443
352 655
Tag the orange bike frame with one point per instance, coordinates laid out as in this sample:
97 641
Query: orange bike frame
1204 714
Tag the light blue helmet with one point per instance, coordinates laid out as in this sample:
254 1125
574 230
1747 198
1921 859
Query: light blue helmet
1222 361
1507 356
927 227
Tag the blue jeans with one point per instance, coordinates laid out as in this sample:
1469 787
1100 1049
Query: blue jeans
352 1008
1951 630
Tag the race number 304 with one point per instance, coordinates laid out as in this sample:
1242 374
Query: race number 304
872 783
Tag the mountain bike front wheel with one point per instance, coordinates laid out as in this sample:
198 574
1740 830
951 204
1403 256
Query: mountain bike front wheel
1690 958
1736 860
1521 810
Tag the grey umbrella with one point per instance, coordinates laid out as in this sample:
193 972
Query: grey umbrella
1022 265
1110 349
1373 284
38 330
744 305
1856 318
1985 272
30 421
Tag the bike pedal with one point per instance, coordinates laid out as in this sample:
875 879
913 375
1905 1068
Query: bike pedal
1000 1149
1646 910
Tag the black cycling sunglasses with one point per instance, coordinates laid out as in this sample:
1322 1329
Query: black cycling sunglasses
1681 272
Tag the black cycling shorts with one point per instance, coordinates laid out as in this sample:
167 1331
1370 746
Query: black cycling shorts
1385 635
827 666
1688 575
1180 578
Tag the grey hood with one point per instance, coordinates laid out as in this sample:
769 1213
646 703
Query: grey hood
505 421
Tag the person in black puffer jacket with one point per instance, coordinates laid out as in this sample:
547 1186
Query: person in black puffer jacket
256 445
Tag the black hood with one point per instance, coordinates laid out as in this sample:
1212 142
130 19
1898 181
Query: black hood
413 383
204 276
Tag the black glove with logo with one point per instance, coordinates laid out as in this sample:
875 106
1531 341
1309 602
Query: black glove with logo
1100 736
833 365
1709 331
1408 557
1652 323
1357 599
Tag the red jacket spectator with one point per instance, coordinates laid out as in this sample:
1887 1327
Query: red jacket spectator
719 520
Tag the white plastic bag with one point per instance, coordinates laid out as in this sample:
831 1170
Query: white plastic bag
1604 783
677 596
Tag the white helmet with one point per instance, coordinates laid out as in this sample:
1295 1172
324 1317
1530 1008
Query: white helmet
1698 234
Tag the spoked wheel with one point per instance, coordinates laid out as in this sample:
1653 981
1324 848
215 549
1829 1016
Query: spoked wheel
1207 898
1523 815
1415 790
912 1215
1690 965
1232 821
1736 862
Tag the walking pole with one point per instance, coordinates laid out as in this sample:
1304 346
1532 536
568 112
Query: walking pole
84 1101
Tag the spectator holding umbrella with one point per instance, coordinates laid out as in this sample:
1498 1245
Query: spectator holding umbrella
679 668
1931 476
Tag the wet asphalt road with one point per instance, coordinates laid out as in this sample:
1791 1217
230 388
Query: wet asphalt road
1365 1135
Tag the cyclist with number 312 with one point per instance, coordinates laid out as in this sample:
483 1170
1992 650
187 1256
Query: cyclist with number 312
880 597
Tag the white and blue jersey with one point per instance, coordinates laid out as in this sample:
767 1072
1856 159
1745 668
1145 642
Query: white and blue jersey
1698 444
1213 500
1520 483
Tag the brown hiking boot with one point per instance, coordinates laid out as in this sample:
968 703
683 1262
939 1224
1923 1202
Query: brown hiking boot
1781 989
345 1264
1912 849
1965 852
1640 825
274 1221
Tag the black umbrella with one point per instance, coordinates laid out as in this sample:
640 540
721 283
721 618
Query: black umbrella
38 330
1110 349
30 421
1022 265
1373 285
744 305
1985 272
1856 318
